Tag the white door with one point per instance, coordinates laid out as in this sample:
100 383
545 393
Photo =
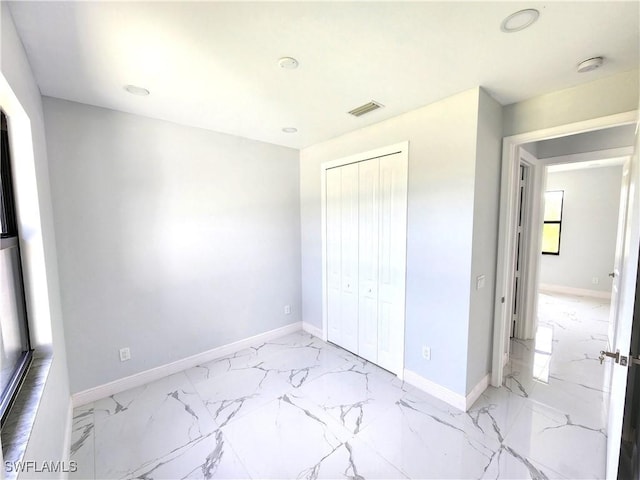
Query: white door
333 249
392 259
626 286
368 259
349 259
617 262
365 231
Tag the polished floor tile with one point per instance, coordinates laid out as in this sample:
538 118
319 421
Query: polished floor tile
297 407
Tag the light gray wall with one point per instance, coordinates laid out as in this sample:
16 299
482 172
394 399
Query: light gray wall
589 227
604 139
47 437
606 96
485 238
172 240
442 150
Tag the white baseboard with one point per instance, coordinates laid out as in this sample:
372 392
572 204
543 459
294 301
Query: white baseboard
102 391
581 292
442 393
476 391
454 399
312 329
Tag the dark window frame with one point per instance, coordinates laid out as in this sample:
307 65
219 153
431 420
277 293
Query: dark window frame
9 239
555 222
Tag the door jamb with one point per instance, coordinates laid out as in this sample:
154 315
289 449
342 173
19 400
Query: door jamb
506 250
525 327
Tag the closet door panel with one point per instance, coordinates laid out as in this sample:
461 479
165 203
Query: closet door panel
392 262
368 259
334 245
349 258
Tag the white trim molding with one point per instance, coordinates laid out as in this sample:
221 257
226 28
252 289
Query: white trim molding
142 378
456 400
580 292
506 244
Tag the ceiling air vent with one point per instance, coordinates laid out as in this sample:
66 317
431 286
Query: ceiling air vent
366 108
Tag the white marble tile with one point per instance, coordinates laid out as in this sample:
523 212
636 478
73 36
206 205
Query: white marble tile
284 439
237 392
555 439
302 363
586 371
83 443
210 370
355 460
140 427
509 464
522 378
586 405
496 411
205 457
522 350
423 442
354 397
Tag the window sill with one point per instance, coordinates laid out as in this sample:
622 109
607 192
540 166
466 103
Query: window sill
22 416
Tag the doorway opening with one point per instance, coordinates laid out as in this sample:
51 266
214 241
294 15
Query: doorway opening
541 328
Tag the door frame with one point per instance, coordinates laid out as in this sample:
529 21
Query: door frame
401 148
531 239
507 222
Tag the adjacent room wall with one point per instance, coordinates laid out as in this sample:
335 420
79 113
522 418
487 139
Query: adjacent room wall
589 226
172 240
442 176
39 250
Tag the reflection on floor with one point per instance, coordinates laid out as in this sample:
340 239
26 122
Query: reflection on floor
300 408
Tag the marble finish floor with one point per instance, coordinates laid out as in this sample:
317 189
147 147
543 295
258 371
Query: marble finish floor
297 407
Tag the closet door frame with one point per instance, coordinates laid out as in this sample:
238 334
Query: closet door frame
401 149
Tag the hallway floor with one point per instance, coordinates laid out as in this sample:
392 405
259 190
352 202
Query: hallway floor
300 408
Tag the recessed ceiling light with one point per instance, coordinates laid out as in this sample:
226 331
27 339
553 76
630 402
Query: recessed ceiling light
590 64
135 90
289 130
519 20
288 62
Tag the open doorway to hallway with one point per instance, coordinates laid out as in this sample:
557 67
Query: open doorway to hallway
553 361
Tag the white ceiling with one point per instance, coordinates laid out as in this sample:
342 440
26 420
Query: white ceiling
214 65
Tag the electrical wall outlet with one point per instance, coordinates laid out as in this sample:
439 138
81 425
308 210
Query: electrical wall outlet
426 352
480 281
287 309
125 354
595 280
